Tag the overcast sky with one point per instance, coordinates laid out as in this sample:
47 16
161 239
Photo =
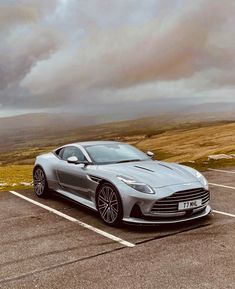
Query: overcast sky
88 55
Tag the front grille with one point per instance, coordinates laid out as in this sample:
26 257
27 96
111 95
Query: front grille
170 204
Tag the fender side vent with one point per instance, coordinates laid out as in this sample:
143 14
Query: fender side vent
94 178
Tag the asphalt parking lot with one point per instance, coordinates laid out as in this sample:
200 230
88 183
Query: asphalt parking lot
63 245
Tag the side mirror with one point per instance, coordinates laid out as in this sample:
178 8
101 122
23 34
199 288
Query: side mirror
150 154
72 160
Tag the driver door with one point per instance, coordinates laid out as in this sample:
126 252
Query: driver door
73 177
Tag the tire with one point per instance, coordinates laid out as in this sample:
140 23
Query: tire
40 183
109 204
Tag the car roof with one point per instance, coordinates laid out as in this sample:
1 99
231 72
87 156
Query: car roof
88 143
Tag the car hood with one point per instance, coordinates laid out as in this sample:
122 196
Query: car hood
154 173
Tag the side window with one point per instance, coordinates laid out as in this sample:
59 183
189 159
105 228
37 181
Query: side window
72 151
59 152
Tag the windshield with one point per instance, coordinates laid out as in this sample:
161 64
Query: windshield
114 153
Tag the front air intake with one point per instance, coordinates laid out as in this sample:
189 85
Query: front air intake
170 204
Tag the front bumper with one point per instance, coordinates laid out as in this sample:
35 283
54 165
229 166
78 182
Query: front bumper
145 204
170 220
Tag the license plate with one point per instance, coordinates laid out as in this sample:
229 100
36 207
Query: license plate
189 204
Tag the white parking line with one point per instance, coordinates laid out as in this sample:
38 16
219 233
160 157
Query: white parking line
67 217
223 213
222 186
222 171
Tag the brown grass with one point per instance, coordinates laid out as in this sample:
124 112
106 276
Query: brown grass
192 144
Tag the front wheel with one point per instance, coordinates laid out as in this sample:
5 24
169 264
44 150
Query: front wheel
40 183
109 204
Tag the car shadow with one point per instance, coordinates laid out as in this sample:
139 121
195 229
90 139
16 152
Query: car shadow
135 228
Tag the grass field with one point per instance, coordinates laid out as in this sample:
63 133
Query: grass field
189 143
13 175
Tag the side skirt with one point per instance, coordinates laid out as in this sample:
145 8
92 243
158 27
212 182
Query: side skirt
77 199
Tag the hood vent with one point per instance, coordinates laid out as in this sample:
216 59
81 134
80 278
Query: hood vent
166 167
144 169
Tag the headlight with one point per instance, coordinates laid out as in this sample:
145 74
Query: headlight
141 187
202 180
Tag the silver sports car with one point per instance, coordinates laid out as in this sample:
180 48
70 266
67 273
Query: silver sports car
122 183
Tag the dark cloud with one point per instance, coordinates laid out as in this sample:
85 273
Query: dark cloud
80 52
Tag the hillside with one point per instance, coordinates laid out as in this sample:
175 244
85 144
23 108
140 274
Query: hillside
171 141
189 143
45 129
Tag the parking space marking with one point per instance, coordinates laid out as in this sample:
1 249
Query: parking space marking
82 224
223 213
222 171
222 186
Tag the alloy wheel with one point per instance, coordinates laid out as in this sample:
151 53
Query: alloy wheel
108 204
39 182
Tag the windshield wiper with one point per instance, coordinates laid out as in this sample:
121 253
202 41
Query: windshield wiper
128 161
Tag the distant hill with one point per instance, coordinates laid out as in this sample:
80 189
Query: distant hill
178 142
180 107
45 121
219 107
179 113
18 131
49 129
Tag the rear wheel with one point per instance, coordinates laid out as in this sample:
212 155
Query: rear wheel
40 183
109 204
